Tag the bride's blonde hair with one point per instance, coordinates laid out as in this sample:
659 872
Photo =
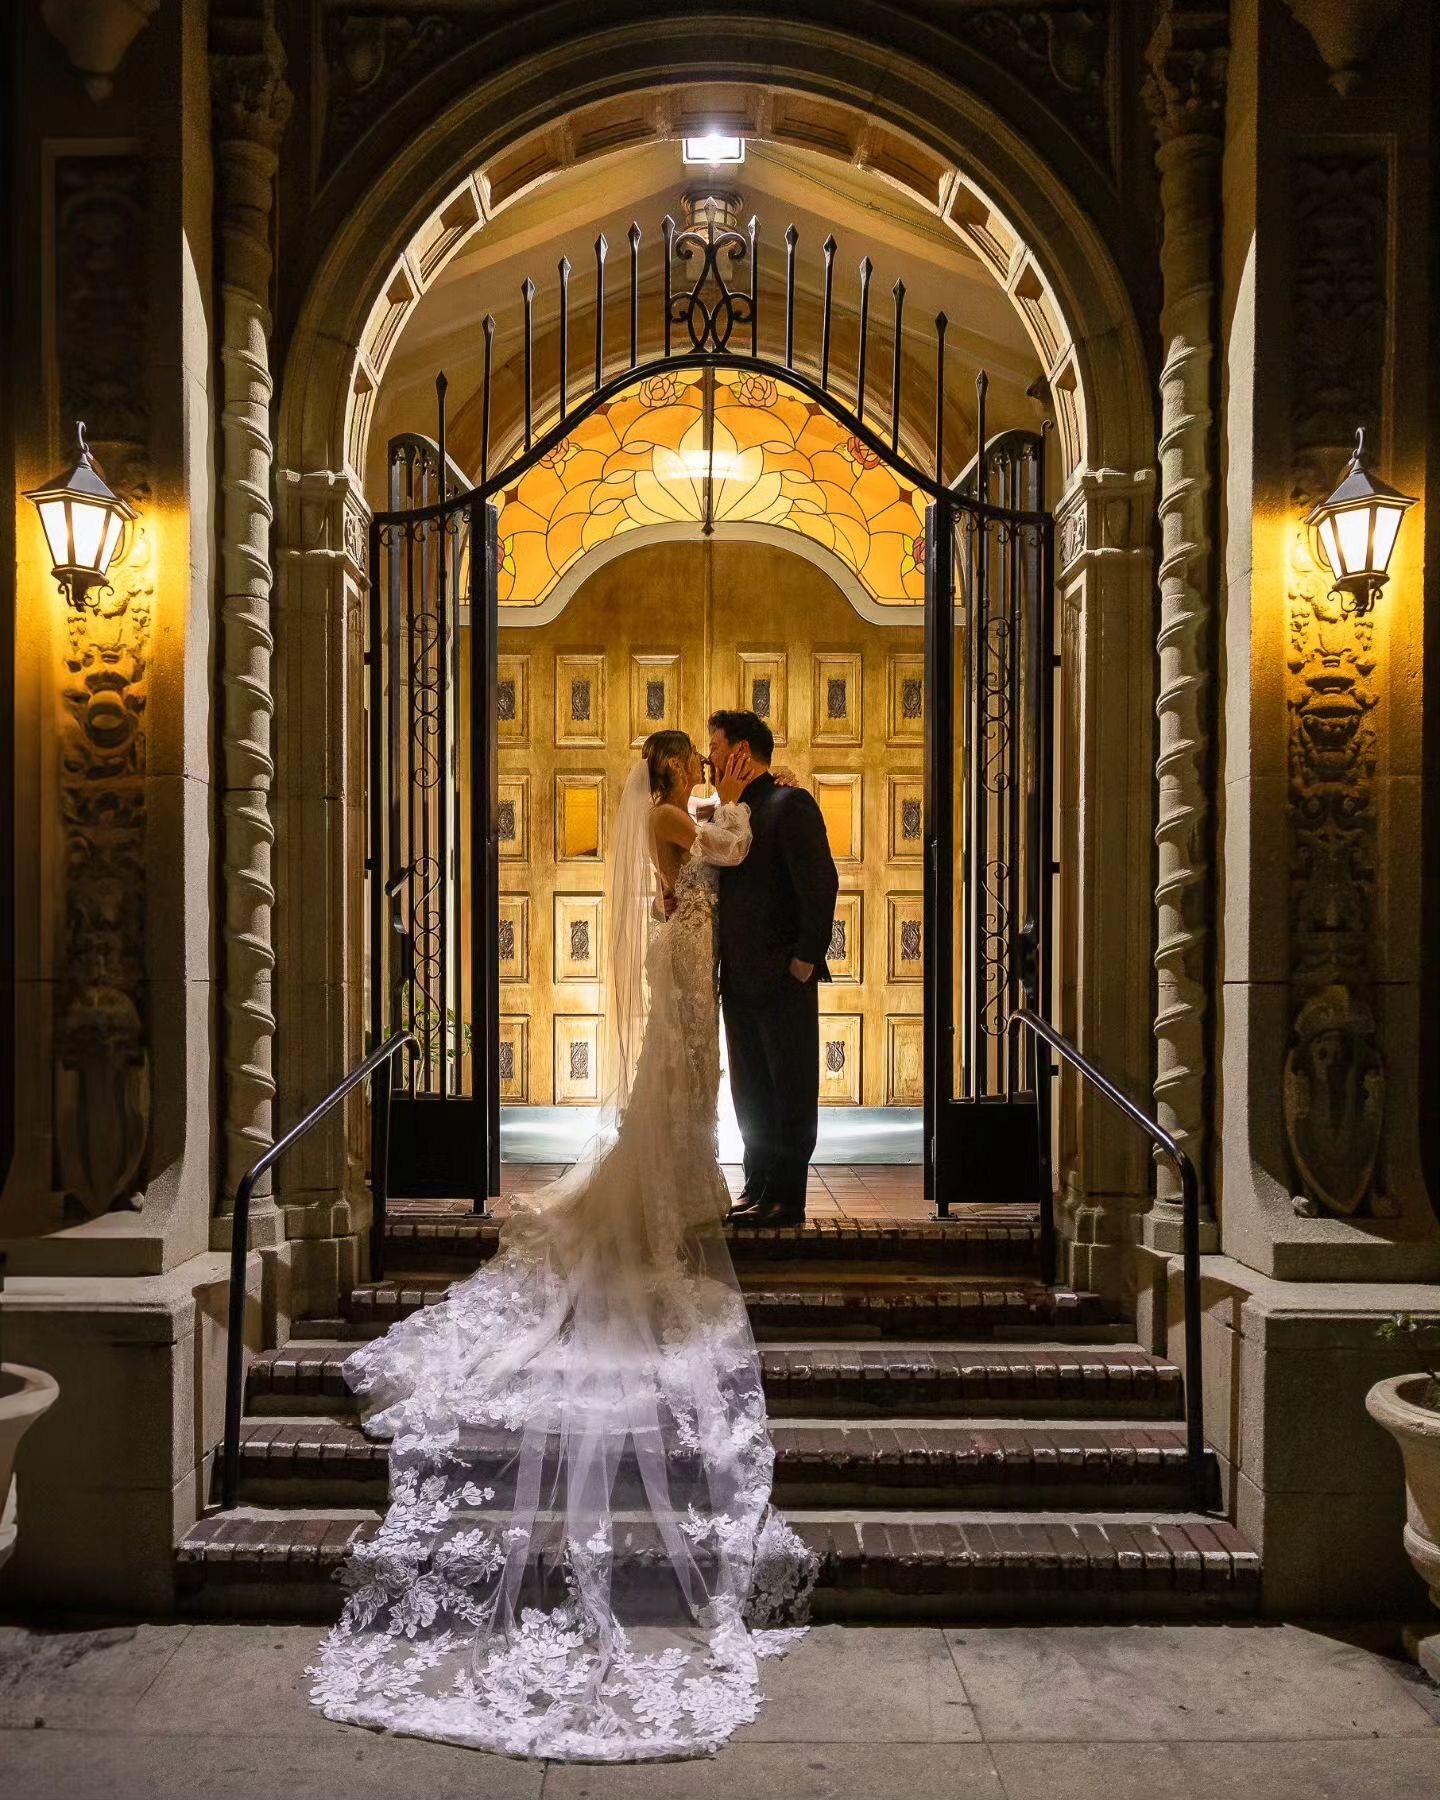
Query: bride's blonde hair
660 750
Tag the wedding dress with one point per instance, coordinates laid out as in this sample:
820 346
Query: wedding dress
580 1560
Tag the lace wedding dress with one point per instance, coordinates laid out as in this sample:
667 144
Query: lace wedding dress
580 1559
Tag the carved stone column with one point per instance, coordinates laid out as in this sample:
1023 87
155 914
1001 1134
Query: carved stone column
252 104
1185 94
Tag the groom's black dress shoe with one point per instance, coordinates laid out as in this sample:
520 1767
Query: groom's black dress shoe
745 1206
772 1213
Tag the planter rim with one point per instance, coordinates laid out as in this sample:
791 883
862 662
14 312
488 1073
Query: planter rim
1388 1404
38 1391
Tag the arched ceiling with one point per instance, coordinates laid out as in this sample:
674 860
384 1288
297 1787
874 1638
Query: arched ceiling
562 213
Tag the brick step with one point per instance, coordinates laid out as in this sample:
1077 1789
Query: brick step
992 1239
868 1305
919 1462
838 1379
968 1565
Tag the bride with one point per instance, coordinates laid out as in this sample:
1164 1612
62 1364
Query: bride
580 1559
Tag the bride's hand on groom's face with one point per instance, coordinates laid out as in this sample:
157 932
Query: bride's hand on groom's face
736 775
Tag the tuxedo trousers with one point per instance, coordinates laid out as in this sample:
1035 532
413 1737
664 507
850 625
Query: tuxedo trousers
772 1038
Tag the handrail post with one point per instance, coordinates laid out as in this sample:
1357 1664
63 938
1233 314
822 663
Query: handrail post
1194 1352
1044 1112
380 1093
378 1062
1046 1038
235 1346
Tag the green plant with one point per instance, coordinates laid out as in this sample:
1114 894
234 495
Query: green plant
1423 1336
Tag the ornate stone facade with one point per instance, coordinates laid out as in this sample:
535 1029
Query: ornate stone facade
1063 55
102 1057
1334 1069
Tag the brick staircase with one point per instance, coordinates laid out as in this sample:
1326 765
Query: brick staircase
953 1437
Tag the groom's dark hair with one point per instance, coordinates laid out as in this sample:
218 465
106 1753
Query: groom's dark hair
746 728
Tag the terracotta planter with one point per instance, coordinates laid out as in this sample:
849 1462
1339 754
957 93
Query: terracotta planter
1396 1404
24 1395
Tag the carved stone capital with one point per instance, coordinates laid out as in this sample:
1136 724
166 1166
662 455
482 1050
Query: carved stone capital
1187 58
1106 513
331 520
1344 32
249 94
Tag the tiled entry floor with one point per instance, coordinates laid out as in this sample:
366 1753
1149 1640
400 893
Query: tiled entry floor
835 1191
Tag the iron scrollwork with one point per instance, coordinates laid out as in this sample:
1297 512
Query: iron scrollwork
711 307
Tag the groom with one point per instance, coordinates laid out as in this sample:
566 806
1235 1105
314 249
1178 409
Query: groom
777 911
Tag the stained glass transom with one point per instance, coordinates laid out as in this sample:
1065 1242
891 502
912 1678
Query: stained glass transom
777 457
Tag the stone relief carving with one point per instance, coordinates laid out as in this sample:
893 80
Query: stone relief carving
372 58
102 1057
1062 54
1071 533
1334 1090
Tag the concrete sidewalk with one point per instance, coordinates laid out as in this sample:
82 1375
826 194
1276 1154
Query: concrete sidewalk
1130 1712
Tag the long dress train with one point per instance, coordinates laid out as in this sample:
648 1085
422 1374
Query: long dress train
580 1559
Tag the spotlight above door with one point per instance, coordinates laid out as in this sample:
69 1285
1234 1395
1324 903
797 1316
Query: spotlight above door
713 149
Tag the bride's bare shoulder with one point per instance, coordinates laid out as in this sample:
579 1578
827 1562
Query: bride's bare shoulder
673 823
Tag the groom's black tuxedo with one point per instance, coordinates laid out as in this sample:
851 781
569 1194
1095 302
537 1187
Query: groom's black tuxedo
777 904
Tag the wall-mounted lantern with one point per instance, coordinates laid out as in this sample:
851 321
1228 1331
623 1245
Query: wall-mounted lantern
84 521
1355 530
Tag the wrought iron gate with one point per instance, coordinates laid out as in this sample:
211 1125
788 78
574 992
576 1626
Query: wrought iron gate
433 862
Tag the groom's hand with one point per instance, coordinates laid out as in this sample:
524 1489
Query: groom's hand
802 971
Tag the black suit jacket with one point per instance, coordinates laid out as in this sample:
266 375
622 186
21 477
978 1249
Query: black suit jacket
780 902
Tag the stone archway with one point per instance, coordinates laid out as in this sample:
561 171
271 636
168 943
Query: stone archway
911 125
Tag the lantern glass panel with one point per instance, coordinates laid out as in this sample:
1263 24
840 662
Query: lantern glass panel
53 516
1352 540
88 521
113 528
1387 527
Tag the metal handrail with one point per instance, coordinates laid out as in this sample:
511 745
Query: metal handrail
1196 1468
378 1060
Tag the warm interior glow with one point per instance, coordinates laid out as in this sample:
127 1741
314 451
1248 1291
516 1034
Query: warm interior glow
714 147
580 828
837 811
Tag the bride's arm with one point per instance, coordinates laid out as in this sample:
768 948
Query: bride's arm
723 838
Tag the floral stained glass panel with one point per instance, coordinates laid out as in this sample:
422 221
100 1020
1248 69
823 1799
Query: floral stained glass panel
776 458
